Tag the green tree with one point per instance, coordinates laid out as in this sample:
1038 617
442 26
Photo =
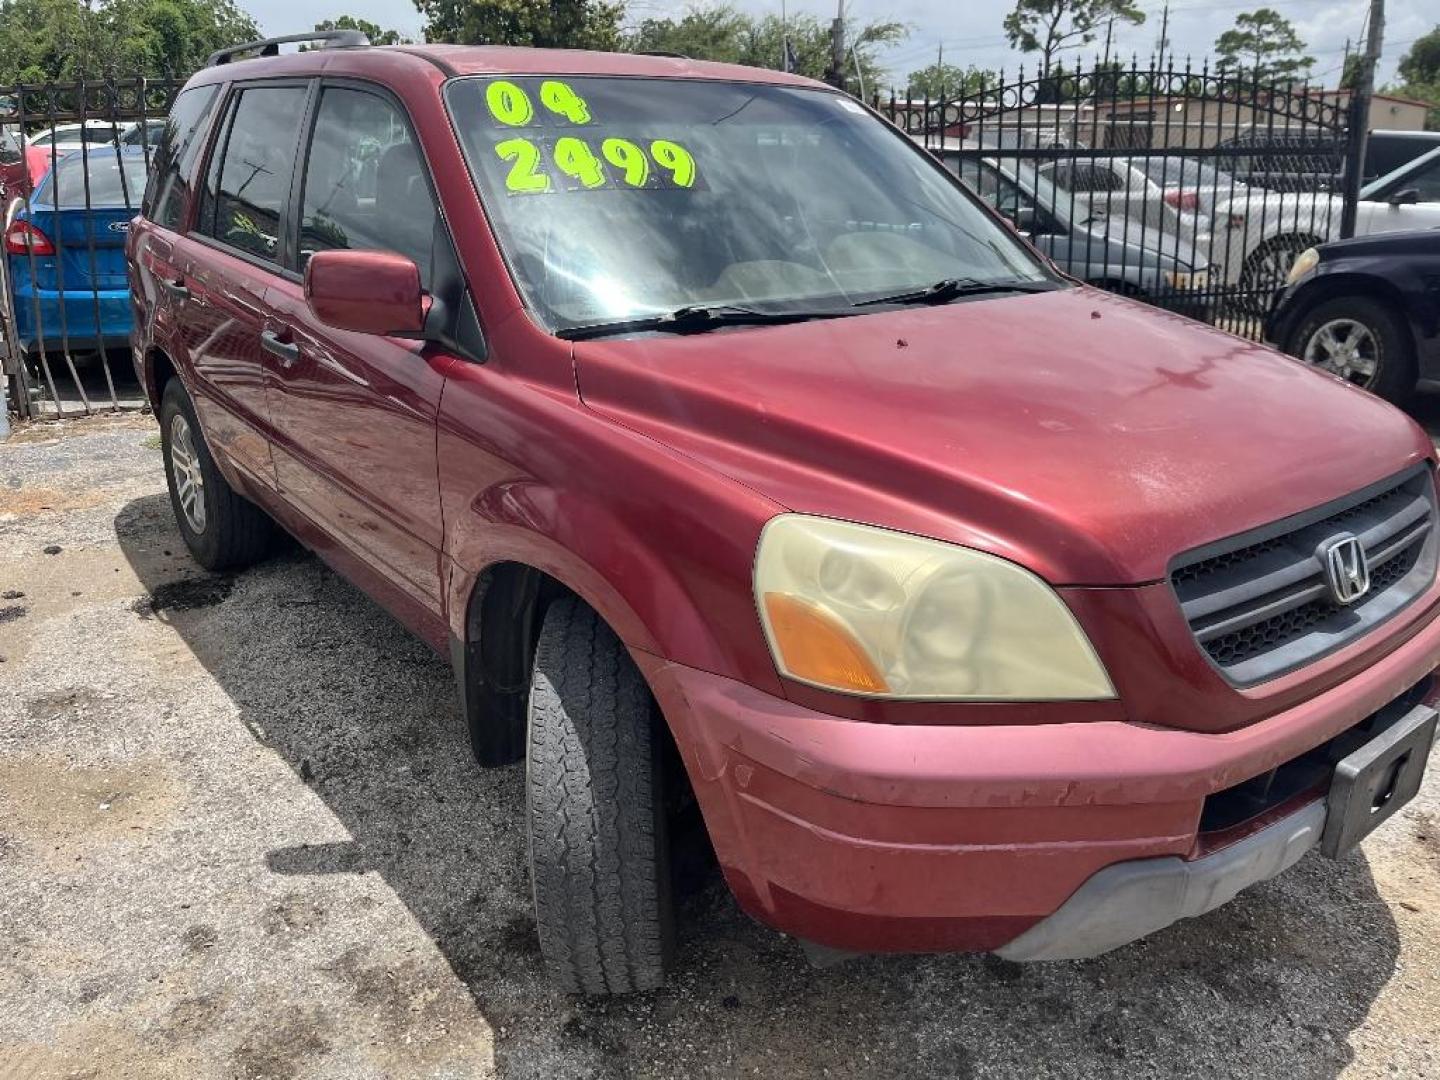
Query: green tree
564 24
1049 27
1350 72
48 40
942 82
371 30
1420 75
1264 46
720 32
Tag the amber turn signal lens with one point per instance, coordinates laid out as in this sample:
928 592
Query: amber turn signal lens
815 646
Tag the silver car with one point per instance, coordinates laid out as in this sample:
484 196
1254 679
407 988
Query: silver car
1089 239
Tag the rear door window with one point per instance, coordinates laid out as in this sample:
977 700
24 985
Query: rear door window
248 183
180 143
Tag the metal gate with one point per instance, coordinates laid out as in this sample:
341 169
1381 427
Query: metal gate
1191 189
73 160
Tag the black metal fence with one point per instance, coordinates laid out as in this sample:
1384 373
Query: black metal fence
1185 187
1188 188
73 160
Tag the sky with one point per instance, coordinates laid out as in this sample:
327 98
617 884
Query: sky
970 31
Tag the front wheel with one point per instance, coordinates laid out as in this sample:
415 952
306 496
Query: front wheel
222 529
595 809
1361 339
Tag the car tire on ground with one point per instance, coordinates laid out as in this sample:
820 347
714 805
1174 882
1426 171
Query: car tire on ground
222 529
1382 359
595 803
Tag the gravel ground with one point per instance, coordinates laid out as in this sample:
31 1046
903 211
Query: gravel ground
240 836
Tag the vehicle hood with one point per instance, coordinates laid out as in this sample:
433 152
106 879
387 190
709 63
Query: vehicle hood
1080 434
1417 244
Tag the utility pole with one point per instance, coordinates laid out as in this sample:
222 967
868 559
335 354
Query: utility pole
836 75
1360 96
1109 31
1164 31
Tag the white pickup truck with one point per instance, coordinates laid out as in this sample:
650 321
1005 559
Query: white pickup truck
1257 235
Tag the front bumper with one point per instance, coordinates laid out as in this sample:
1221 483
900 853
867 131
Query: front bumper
873 837
1124 902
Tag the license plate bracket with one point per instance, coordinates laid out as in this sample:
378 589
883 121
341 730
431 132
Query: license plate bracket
1376 780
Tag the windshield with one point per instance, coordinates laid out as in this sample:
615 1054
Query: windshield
618 198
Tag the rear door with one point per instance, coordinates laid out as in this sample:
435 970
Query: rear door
354 414
234 253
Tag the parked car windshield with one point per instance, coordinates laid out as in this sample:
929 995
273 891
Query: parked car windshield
618 198
113 181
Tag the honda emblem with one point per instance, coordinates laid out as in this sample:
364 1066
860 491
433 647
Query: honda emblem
1346 570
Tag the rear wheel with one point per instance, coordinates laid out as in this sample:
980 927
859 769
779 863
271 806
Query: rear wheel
222 529
1361 339
595 802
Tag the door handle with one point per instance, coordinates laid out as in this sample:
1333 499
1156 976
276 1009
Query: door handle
287 351
176 288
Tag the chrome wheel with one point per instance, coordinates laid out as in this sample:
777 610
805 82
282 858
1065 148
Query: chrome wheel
185 471
1344 347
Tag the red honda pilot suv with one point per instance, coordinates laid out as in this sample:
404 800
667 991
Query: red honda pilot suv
767 492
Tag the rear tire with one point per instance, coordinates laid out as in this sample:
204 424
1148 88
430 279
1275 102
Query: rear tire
222 529
1381 337
595 810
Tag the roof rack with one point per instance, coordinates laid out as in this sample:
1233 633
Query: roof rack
333 39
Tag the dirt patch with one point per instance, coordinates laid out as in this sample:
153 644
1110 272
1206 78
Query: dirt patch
50 803
28 501
284 1051
1427 833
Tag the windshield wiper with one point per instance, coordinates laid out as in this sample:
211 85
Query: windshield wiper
942 292
698 318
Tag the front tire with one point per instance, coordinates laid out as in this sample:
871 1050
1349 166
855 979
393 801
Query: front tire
595 810
222 529
1362 340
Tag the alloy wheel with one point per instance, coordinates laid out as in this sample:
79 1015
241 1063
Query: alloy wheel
185 471
1345 347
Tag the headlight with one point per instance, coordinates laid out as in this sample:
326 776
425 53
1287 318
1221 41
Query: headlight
1306 261
1188 279
867 611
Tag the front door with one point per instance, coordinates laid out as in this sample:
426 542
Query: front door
354 415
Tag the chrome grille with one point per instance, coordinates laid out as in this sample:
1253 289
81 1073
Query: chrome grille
1260 604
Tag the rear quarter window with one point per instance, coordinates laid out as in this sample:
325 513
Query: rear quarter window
180 145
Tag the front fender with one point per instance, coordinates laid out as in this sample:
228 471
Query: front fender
659 545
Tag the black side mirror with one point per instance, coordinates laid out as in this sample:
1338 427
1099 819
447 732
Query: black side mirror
1404 197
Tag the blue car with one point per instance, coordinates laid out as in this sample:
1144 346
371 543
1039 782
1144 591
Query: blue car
65 252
